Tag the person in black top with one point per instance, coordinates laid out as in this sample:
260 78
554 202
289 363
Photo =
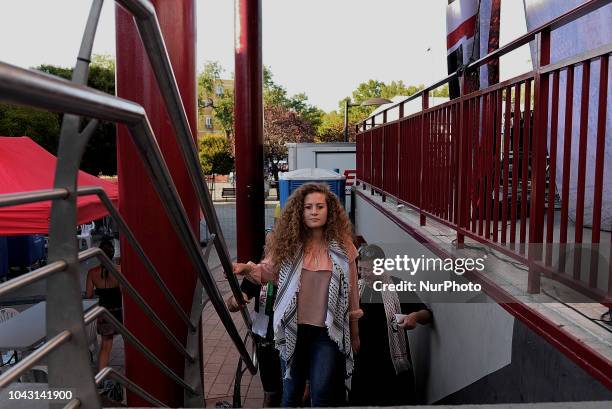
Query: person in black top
267 354
383 374
106 288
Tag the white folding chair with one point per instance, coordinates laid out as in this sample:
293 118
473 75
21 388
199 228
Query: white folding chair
85 237
7 313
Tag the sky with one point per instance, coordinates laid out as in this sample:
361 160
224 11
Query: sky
323 48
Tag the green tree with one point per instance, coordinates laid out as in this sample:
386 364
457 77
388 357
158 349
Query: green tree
283 125
207 80
276 95
312 114
273 93
223 108
224 113
331 125
331 128
442 91
378 89
103 61
42 126
100 155
286 118
215 156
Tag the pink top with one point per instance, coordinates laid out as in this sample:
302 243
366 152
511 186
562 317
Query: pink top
313 285
313 296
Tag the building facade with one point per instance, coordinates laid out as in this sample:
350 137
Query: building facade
207 123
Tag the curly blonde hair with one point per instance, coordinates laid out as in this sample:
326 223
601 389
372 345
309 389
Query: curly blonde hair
291 232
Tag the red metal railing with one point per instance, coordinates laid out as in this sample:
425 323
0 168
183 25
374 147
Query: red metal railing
485 164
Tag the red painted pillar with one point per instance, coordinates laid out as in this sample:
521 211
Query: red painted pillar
424 139
248 126
140 205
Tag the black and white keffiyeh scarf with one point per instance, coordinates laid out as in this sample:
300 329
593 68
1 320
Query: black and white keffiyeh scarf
337 317
398 340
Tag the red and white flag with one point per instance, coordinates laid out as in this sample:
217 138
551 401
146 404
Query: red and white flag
472 31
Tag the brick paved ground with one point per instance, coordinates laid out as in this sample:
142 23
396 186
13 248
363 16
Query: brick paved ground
220 362
220 354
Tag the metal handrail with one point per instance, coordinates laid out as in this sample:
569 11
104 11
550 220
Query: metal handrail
560 21
49 194
13 199
148 27
100 255
73 404
21 86
109 372
45 271
32 276
131 238
240 372
30 360
98 311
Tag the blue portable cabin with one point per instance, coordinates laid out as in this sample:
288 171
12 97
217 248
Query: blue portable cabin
23 251
290 181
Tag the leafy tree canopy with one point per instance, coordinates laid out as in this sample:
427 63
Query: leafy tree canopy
276 95
308 122
207 80
223 105
331 127
44 127
286 118
283 125
215 156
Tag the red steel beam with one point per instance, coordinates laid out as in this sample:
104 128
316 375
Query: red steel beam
515 165
140 205
497 162
248 125
424 135
538 178
554 120
567 152
599 167
506 167
526 153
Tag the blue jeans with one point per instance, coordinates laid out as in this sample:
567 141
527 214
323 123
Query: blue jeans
318 359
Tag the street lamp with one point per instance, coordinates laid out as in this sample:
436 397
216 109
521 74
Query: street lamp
368 102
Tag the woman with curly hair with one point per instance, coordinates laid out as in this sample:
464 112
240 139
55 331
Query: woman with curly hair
311 257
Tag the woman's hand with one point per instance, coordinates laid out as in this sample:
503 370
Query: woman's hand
242 269
233 305
408 322
355 344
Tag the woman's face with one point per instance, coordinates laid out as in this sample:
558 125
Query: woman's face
315 210
365 267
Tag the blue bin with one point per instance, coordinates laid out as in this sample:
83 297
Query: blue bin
23 251
290 181
3 258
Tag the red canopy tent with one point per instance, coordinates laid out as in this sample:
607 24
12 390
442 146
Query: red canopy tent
26 166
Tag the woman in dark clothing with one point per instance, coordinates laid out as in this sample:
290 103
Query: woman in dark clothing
106 288
383 369
267 354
